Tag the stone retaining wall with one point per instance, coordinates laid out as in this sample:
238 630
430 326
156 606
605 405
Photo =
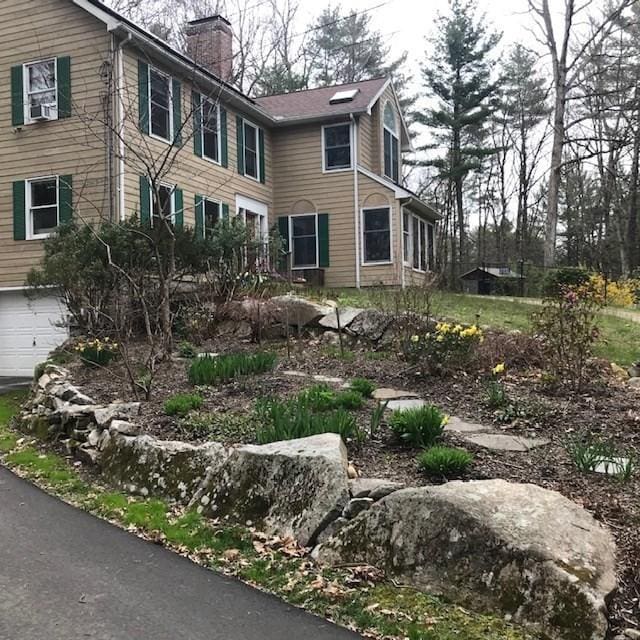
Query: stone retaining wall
518 549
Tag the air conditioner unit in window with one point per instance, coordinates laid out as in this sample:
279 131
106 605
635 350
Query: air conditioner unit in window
40 112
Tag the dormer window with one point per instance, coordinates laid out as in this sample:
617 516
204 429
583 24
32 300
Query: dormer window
391 143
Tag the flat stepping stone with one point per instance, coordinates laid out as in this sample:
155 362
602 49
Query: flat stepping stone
404 405
328 379
392 394
457 425
502 442
295 374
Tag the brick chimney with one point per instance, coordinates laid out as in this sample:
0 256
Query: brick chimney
209 43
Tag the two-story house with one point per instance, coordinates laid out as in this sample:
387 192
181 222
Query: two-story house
93 106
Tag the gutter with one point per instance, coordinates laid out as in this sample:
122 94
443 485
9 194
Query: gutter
356 198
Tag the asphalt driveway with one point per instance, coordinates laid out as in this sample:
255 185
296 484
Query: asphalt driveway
8 384
66 575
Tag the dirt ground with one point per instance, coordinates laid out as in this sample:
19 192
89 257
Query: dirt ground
607 410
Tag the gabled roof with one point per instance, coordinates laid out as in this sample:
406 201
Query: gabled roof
492 272
312 104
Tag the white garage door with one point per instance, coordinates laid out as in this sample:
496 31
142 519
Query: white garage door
28 331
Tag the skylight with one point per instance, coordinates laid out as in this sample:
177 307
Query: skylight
343 96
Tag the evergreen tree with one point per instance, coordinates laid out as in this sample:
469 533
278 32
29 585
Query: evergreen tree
459 84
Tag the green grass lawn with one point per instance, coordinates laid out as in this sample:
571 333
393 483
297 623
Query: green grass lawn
620 337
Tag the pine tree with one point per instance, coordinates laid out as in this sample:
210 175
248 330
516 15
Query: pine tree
459 83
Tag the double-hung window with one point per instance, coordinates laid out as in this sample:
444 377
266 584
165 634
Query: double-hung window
251 160
391 144
304 241
376 232
164 203
160 105
336 147
210 130
43 207
406 237
41 90
211 210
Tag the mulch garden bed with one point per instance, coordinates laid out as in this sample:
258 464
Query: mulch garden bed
608 410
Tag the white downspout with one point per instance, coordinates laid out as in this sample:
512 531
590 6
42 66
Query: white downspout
121 128
356 199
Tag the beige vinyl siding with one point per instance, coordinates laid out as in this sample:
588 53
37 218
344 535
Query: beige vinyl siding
297 168
194 175
36 30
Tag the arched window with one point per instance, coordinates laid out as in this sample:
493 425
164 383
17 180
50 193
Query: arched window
391 143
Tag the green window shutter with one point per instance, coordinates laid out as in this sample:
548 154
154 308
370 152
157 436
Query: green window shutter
176 100
178 201
225 211
19 216
263 173
240 136
197 123
145 200
199 215
143 96
224 145
323 239
63 68
65 198
17 96
283 230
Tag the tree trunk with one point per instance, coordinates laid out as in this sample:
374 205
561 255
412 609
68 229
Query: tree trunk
632 220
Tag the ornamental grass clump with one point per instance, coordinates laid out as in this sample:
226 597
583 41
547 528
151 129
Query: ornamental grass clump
182 403
448 462
97 352
419 427
447 348
217 369
321 397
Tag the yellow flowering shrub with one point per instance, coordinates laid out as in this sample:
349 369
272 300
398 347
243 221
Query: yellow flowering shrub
621 293
446 348
96 351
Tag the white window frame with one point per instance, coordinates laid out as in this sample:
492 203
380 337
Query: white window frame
26 93
28 208
394 135
246 123
204 99
370 263
422 239
172 188
169 78
326 169
407 231
204 217
310 266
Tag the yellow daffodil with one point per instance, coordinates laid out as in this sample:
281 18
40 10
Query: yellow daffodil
415 338
498 369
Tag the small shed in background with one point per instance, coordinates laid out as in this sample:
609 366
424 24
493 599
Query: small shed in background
485 281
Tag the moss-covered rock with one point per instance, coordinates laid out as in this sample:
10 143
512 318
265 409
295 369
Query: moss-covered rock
491 545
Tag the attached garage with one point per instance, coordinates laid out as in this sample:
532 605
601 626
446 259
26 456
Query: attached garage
28 331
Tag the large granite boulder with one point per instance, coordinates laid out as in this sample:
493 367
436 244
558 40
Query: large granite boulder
527 552
347 316
292 488
147 466
297 311
371 324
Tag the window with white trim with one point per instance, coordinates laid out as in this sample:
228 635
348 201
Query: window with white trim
304 241
391 144
251 159
210 130
212 215
422 244
376 232
161 124
43 206
406 237
336 147
164 205
40 90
